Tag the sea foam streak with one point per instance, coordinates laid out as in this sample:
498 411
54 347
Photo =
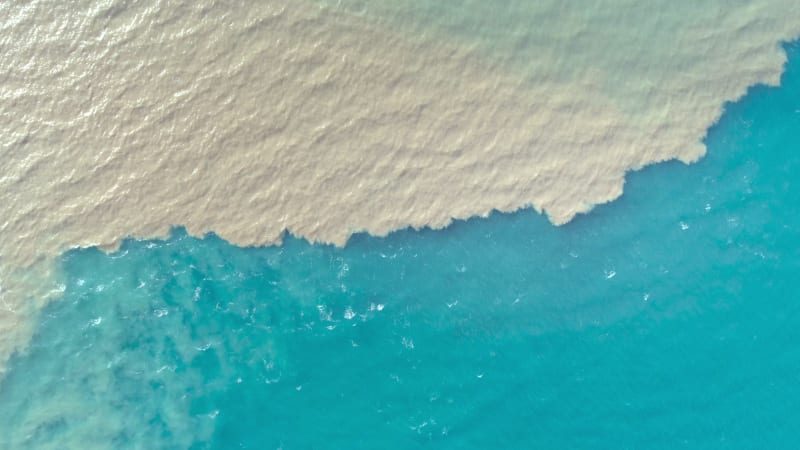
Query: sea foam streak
251 119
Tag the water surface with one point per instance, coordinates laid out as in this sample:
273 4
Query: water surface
669 318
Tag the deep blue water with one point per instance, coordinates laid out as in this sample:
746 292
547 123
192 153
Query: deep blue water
669 318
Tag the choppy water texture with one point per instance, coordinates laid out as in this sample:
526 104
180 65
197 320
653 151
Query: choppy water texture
667 319
328 118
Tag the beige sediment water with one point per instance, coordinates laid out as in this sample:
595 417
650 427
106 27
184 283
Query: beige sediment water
251 118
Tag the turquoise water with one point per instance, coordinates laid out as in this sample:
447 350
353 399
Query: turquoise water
668 318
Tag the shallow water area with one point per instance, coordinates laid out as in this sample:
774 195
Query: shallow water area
668 318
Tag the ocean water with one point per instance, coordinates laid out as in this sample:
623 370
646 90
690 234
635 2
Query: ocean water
669 318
